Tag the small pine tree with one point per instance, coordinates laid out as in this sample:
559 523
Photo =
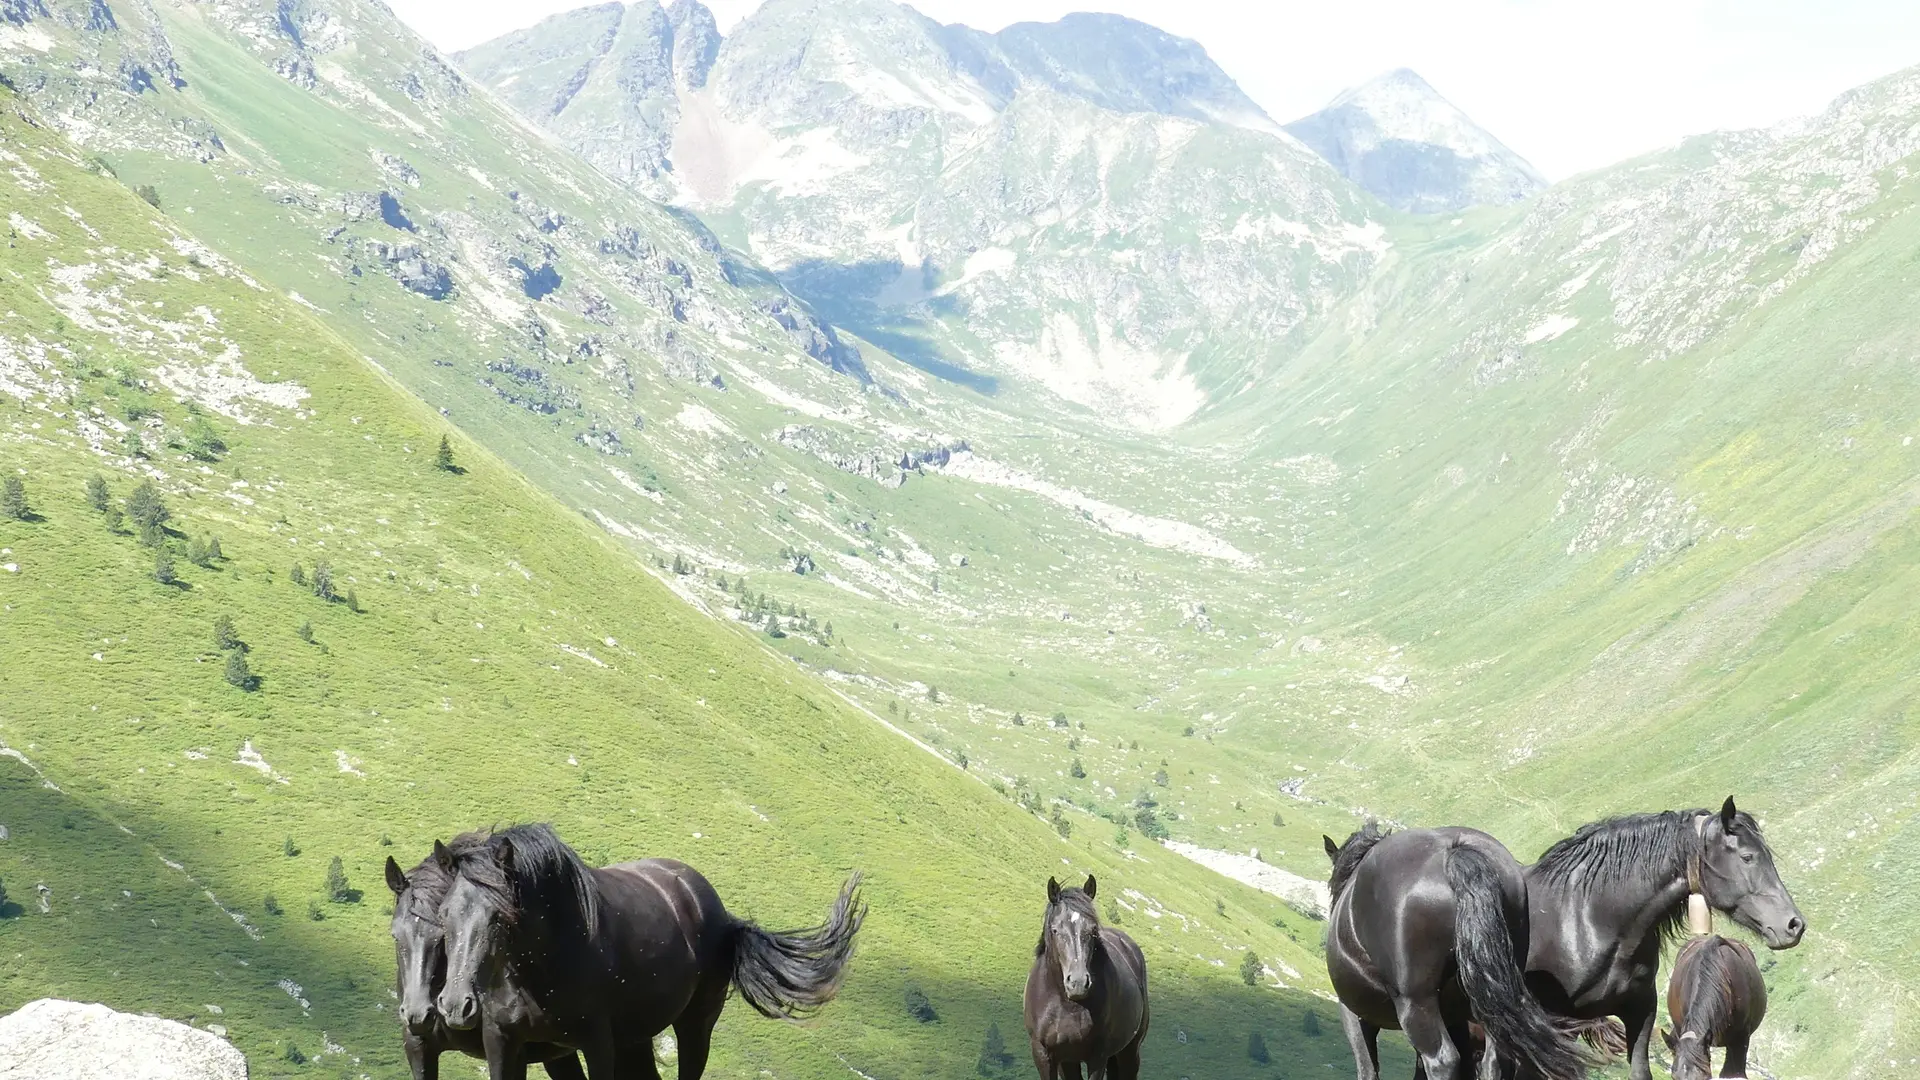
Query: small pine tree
272 905
132 445
163 571
237 671
1019 721
443 457
13 499
224 637
1060 823
149 195
1250 967
1257 1049
288 848
298 576
960 758
323 581
1219 907
314 913
1078 771
338 890
353 601
827 630
148 512
203 442
197 552
1310 1024
919 1007
1160 777
720 582
305 631
933 695
1188 733
214 554
98 497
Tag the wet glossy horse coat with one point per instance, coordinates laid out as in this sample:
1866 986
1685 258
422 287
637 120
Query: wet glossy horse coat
1603 902
1086 998
542 948
1426 935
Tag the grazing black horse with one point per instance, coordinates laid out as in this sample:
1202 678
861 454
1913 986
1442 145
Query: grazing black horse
543 949
421 953
1605 900
1426 934
1086 999
1716 997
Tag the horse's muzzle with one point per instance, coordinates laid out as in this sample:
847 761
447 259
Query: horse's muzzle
1785 937
1078 988
461 1014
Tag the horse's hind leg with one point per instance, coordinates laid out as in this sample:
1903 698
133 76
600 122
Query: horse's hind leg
1126 1063
693 1031
1420 1020
566 1067
1364 1038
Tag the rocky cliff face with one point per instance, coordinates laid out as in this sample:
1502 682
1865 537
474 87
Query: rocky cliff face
50 1039
1398 138
1090 206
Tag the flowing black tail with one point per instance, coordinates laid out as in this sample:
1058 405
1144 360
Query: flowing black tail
1517 1027
790 975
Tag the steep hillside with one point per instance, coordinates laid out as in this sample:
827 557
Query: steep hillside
488 656
1397 137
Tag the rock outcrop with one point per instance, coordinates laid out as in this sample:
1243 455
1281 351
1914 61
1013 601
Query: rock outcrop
51 1039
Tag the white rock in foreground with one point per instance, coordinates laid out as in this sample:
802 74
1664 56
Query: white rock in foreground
52 1039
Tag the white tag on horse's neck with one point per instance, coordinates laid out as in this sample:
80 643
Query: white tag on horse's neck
1699 915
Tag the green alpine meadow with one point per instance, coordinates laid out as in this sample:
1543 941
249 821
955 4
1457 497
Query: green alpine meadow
842 443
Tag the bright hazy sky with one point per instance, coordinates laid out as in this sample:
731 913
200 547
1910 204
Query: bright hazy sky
1568 84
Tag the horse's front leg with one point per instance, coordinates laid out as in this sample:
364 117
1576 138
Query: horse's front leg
602 1056
423 1061
506 1057
1638 1016
1736 1059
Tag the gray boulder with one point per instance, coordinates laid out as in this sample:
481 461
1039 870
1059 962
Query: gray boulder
51 1039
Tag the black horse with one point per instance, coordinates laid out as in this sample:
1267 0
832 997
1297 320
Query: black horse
1086 998
1426 934
1606 899
543 949
421 954
1715 997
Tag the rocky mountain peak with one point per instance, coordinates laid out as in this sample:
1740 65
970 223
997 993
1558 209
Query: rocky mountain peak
1396 136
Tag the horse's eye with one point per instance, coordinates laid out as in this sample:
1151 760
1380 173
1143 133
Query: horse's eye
1746 856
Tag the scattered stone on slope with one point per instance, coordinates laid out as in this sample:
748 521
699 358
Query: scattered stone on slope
887 466
51 1039
815 338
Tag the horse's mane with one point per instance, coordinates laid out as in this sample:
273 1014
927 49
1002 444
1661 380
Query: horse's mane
1347 860
1074 899
1635 849
545 873
1706 1013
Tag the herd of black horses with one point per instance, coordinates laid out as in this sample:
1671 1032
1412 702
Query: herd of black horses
512 948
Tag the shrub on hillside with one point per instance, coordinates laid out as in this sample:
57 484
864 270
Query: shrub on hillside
148 512
224 635
995 1060
338 891
98 497
238 673
919 1007
149 195
323 581
1257 1049
1250 967
163 571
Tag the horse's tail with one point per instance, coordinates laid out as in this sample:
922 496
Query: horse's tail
790 975
1517 1027
1606 1035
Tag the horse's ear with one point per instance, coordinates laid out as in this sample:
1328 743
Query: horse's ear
1727 813
396 880
1333 849
502 850
1089 886
1053 891
442 856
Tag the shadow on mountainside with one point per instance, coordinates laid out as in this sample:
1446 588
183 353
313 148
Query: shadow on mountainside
844 295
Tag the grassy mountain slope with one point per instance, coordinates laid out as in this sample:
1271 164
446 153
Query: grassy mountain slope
509 661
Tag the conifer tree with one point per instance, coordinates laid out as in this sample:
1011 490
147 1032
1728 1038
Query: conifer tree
98 497
443 457
298 575
13 499
323 581
353 601
1250 968
1257 1049
163 567
149 512
338 890
237 671
224 637
1078 771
